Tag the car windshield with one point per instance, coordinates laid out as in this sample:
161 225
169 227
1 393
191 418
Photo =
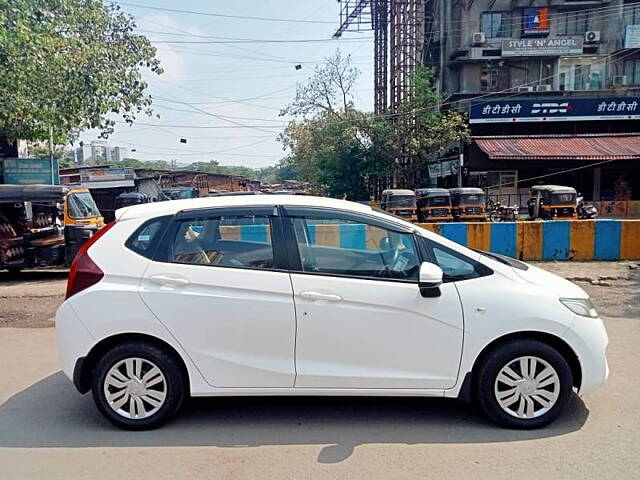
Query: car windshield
443 201
471 199
401 201
81 205
503 259
563 198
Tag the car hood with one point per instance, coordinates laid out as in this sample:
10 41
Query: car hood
542 278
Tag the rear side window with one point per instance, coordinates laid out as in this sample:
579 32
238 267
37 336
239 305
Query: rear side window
146 238
237 241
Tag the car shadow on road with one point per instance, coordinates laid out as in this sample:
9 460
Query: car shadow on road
51 413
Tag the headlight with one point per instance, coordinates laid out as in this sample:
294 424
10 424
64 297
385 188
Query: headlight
580 306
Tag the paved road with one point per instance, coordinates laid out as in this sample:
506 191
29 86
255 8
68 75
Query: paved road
47 430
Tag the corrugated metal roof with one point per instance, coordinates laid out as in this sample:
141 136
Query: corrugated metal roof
562 147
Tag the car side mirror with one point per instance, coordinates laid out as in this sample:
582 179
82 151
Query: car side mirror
430 279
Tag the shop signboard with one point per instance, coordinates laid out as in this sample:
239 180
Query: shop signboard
535 21
554 109
632 36
528 47
106 174
30 171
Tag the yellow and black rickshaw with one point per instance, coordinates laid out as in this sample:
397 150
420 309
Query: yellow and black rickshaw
433 205
401 203
468 204
44 225
552 202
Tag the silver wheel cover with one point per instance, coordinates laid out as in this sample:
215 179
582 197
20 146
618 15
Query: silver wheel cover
135 388
527 387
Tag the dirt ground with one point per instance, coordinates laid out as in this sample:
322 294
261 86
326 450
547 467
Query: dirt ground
29 299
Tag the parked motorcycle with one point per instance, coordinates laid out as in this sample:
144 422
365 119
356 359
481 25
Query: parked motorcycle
586 212
501 213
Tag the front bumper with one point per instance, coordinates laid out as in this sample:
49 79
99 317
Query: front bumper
588 338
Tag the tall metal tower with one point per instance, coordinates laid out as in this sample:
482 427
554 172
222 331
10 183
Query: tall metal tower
362 15
398 28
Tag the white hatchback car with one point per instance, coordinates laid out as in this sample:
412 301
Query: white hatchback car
293 295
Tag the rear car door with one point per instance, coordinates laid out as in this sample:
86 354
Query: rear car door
218 285
362 322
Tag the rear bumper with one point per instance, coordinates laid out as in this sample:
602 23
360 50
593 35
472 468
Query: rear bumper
588 337
74 341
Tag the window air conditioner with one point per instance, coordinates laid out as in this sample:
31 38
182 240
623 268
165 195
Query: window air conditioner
620 81
525 89
478 38
592 37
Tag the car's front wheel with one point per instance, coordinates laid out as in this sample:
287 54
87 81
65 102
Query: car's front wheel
138 386
524 384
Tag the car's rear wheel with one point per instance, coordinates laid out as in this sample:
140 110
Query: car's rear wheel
138 386
524 384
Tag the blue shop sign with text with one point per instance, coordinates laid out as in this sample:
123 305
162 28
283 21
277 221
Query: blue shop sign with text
555 109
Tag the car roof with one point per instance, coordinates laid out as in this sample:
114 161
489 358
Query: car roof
170 207
432 191
397 191
554 188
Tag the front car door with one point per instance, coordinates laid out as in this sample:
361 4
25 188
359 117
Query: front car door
361 321
219 286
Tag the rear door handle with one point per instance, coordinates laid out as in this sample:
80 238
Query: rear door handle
327 297
169 280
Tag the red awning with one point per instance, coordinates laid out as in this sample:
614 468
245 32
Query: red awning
562 147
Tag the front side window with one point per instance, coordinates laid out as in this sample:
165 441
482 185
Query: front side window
224 241
455 266
335 246
497 24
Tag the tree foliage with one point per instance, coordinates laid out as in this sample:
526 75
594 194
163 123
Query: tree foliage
69 64
352 153
331 144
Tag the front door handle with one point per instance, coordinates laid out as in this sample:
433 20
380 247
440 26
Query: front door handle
327 297
169 280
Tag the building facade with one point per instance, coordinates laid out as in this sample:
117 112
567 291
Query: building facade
99 152
552 90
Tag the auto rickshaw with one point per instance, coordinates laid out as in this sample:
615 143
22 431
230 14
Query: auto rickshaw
44 225
468 204
433 205
401 203
552 202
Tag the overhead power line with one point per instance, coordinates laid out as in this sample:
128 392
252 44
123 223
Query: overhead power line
224 15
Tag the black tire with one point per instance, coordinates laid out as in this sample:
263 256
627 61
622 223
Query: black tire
174 387
503 355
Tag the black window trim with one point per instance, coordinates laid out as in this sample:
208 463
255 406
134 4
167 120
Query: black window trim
482 269
295 265
280 260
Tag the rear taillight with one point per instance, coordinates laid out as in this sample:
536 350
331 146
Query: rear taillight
84 272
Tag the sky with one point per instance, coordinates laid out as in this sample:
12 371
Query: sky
244 85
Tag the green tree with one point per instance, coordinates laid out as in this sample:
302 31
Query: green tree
331 144
424 130
70 65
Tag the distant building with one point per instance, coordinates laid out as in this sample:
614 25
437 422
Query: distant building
118 154
99 152
550 89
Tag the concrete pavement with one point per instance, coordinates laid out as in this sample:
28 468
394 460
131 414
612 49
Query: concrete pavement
48 430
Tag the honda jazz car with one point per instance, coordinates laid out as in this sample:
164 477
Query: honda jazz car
296 295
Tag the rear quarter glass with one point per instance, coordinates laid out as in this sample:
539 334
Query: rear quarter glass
145 239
